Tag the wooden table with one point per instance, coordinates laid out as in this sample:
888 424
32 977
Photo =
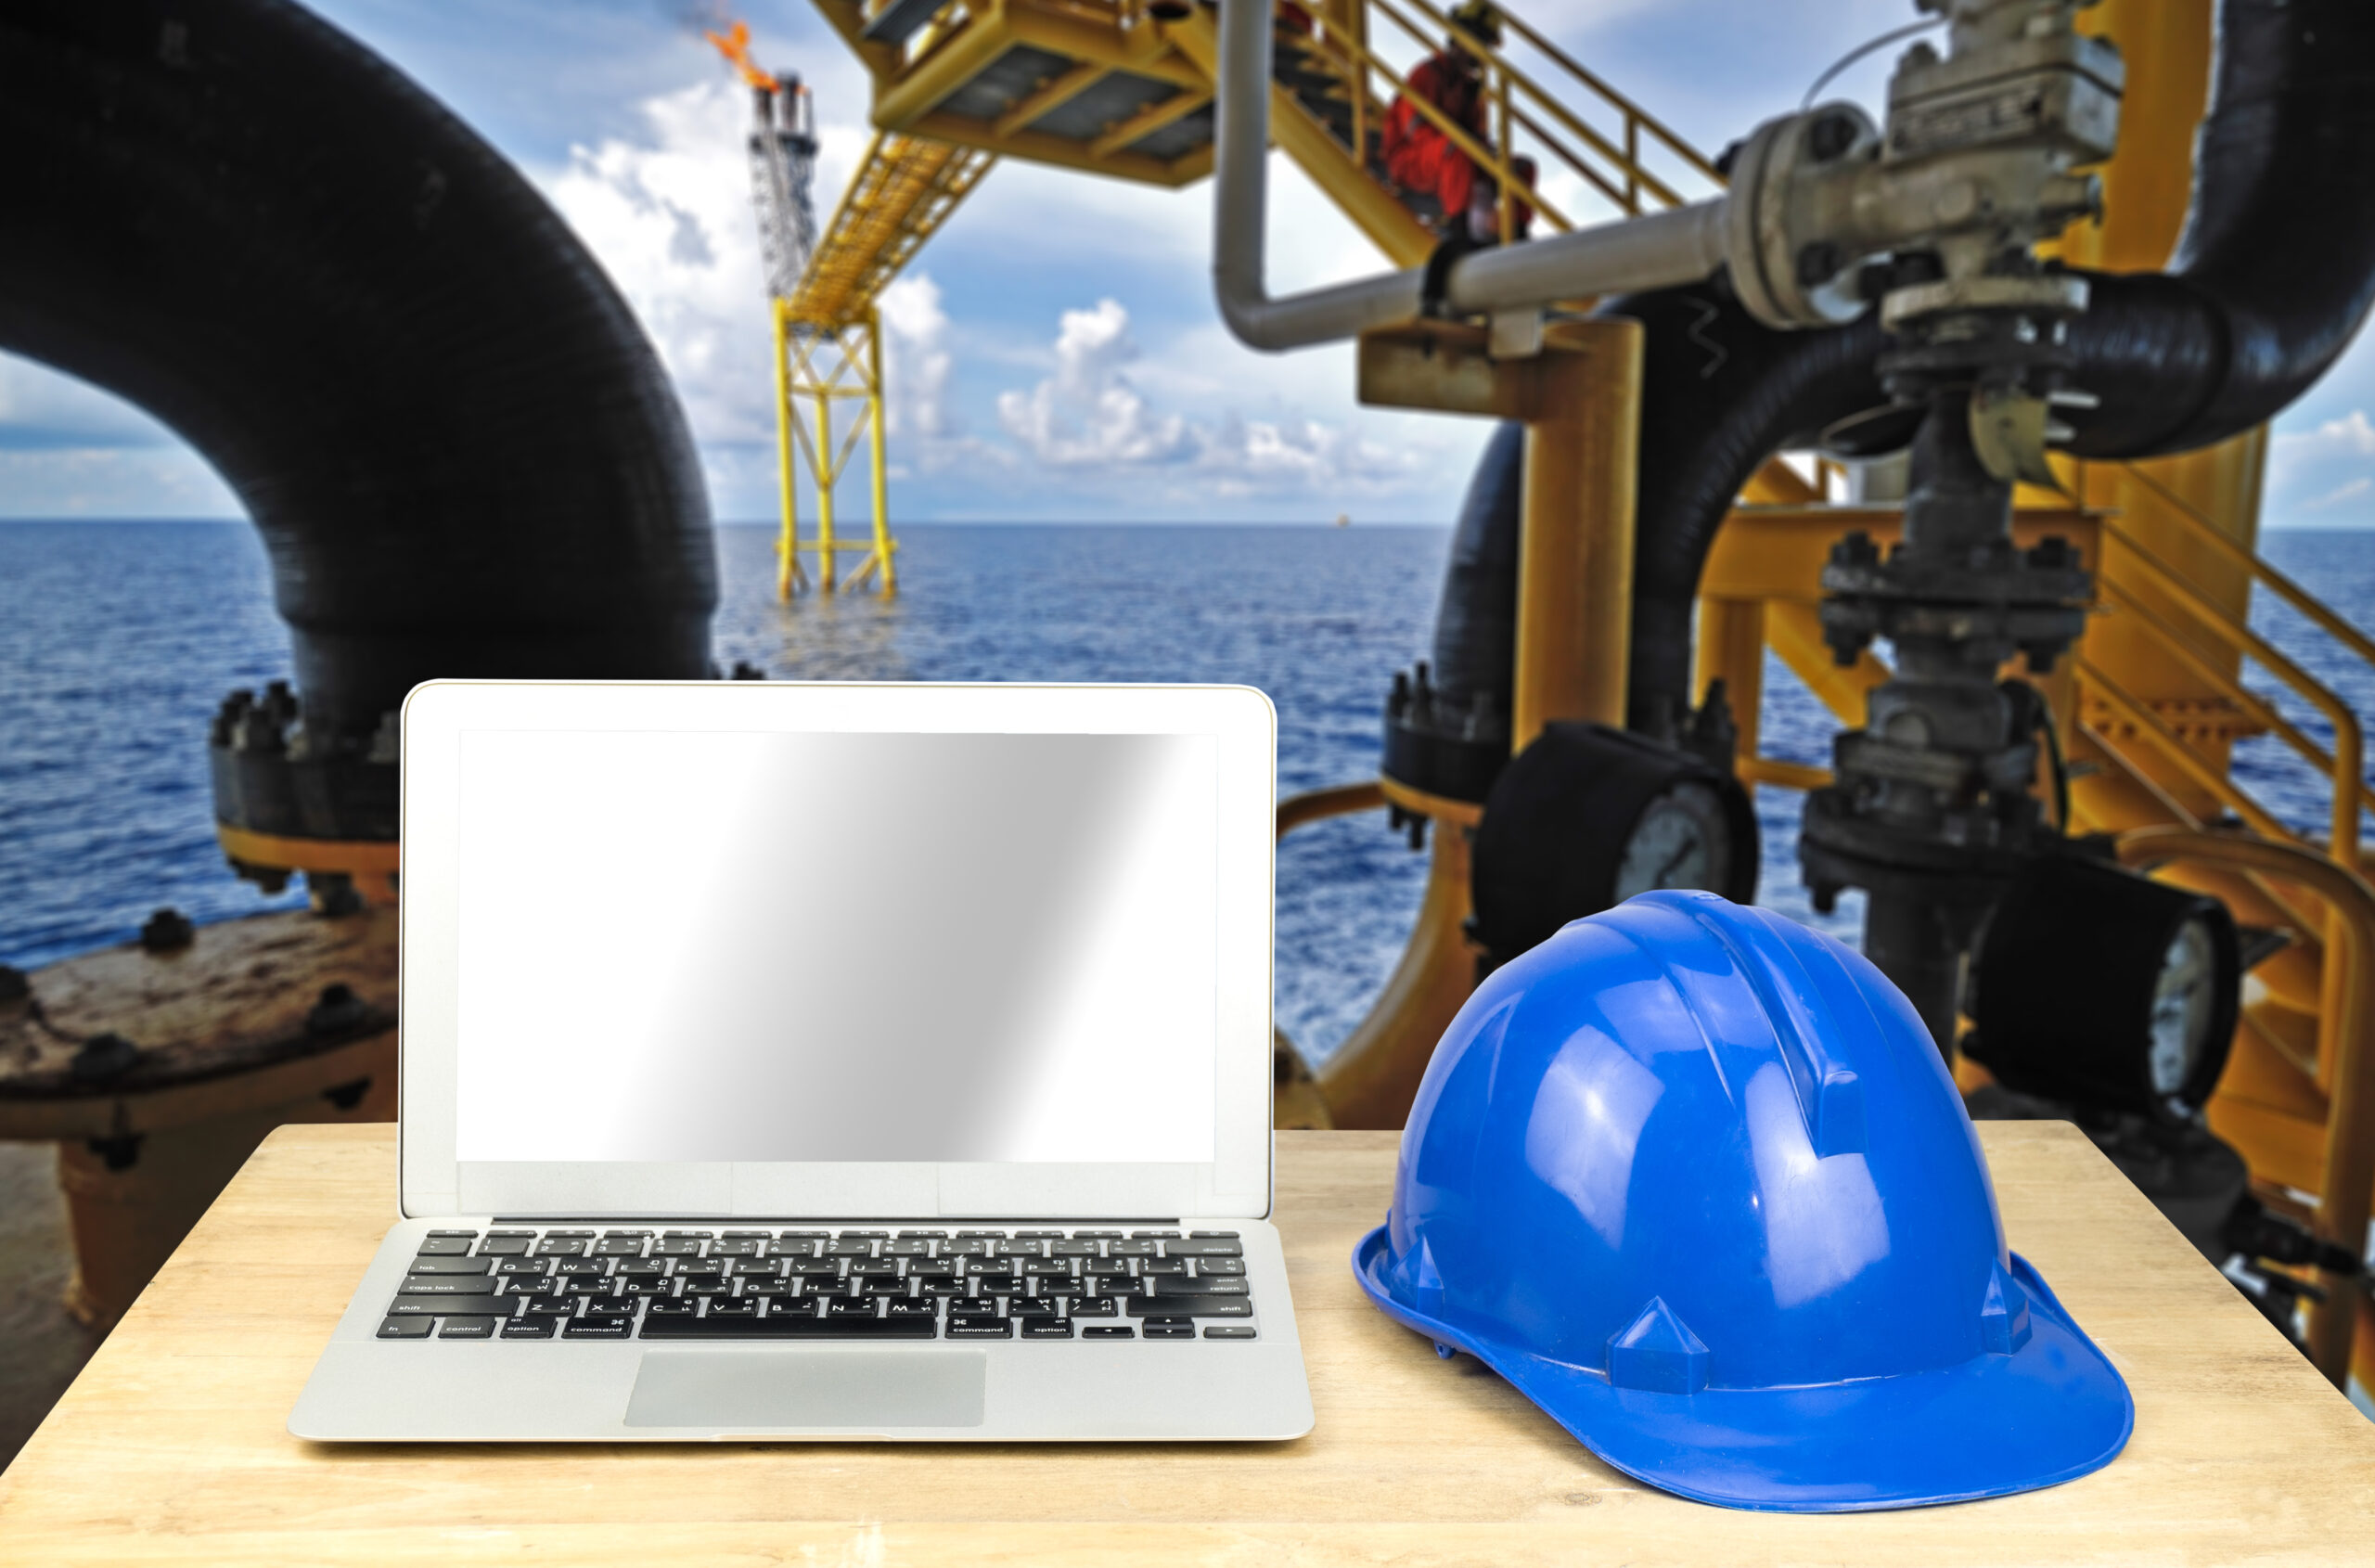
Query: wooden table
170 1448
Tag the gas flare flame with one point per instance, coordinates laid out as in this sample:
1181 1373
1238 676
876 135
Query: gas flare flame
735 45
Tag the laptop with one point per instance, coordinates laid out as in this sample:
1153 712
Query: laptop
786 1061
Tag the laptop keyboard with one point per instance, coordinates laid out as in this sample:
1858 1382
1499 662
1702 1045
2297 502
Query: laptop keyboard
531 1284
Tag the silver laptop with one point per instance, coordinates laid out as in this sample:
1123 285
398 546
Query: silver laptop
824 1062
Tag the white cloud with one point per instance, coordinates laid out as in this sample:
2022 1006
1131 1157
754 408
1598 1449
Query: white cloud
1088 414
2324 476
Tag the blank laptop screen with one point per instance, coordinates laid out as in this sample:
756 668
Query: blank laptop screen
766 946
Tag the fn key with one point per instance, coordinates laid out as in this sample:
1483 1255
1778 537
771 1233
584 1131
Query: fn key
406 1328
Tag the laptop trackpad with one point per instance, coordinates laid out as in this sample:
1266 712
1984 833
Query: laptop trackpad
749 1388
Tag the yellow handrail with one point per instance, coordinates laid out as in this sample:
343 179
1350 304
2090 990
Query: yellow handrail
2345 1036
2349 754
1314 805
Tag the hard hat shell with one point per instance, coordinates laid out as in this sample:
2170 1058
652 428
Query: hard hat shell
1694 1178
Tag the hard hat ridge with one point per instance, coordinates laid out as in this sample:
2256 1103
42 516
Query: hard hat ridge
1694 1178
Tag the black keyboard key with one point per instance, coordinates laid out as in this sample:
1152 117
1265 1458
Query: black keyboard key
643 1287
965 1249
529 1328
866 1234
614 1235
406 1327
1153 1235
513 1287
521 1268
588 1267
1203 1249
434 1285
885 1287
445 1247
698 1268
465 1235
504 1246
570 1235
929 1268
586 1285
1101 1307
640 1268
774 1327
764 1289
847 1306
510 1235
1129 1249
1190 1306
1096 1236
813 1268
1027 1306
1107 1268
672 1306
873 1268
997 1285
551 1248
467 1328
610 1306
1046 1329
923 1235
804 1235
791 1249
916 1308
599 1328
1062 1287
976 1328
1150 1266
1220 1266
733 1249
755 1268
1019 1249
845 1248
423 1307
1230 1331
712 1288
1108 1331
550 1306
736 1307
1075 1249
618 1247
1044 1267
1211 1235
1170 1330
677 1247
746 1235
940 1286
450 1265
903 1248
981 1236
1207 1285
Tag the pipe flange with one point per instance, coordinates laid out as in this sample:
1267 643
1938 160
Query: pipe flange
2049 293
1783 270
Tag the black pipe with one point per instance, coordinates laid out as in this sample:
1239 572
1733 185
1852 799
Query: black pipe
461 450
1476 619
1719 394
2274 271
2273 276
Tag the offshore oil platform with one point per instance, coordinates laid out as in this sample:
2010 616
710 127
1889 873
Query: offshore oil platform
2019 337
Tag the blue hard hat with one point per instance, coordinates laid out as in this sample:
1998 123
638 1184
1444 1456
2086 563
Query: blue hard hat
1694 1178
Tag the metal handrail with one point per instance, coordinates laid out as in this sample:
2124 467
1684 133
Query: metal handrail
2345 1039
2348 760
1316 805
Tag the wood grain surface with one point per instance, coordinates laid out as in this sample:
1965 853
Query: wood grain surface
171 1447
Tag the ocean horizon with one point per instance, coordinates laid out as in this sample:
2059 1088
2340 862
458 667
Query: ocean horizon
122 636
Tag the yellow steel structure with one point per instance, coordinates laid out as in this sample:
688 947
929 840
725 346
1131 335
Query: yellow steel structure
2148 706
829 352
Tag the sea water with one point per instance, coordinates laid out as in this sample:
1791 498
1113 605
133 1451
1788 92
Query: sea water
117 641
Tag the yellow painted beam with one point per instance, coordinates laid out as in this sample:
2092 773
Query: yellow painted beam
956 59
1148 120
1037 147
1066 86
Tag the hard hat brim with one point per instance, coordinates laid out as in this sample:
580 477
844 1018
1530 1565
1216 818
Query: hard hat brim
2051 1411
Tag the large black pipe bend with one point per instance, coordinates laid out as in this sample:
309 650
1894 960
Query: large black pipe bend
461 449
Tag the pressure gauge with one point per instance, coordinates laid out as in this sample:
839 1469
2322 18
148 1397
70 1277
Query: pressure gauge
1587 816
1683 838
2106 991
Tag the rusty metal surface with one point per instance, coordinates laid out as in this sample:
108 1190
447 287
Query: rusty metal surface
250 1014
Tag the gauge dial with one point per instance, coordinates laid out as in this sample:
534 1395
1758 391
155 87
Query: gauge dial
2183 997
1681 839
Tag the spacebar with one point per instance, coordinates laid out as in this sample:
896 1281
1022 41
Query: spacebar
789 1327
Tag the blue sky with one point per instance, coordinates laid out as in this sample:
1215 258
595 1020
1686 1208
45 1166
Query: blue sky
1054 353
